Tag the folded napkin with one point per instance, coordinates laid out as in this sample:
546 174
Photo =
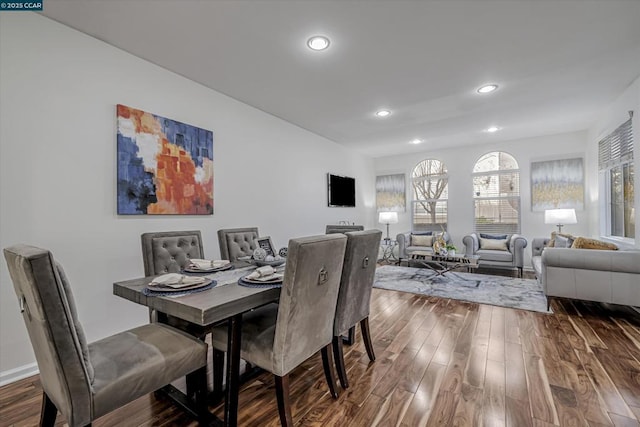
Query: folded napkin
175 280
205 264
264 273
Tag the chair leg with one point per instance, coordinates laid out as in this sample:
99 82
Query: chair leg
48 413
198 379
218 374
284 405
366 337
339 360
520 272
351 336
327 364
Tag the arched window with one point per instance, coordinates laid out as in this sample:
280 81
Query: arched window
430 195
496 193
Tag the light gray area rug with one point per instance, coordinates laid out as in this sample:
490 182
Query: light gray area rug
525 294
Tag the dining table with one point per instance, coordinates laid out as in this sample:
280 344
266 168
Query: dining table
226 301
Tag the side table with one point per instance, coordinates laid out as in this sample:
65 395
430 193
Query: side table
387 246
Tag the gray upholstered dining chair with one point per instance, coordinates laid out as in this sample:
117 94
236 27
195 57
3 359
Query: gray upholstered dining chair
342 228
85 381
354 297
170 251
279 337
237 242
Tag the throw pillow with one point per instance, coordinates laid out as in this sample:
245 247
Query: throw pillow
421 240
552 242
494 236
586 243
422 233
563 241
493 244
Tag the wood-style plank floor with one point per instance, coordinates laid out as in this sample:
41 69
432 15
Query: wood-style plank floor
439 362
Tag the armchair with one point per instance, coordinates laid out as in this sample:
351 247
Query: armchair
497 251
406 247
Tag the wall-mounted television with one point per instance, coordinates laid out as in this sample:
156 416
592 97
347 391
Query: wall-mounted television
341 191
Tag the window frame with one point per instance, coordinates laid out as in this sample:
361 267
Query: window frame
415 201
618 154
517 198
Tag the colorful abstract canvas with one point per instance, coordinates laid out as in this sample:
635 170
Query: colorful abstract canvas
165 167
557 184
390 194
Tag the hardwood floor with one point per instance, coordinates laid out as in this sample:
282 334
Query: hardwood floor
439 362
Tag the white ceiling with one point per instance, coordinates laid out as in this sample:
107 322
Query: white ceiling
558 63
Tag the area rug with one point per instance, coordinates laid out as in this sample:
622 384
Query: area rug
525 294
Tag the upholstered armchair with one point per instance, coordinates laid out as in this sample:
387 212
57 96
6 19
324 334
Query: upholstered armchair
497 251
341 228
409 242
237 242
279 337
84 381
354 297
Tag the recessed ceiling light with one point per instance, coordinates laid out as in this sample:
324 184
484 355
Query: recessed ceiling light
417 141
383 113
493 129
318 43
487 88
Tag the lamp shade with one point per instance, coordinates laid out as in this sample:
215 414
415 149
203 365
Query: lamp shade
560 216
388 218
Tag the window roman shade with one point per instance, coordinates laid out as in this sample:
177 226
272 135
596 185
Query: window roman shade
617 147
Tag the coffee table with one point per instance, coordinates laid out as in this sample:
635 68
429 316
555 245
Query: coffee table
442 264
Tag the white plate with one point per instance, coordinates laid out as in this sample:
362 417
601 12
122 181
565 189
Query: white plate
208 270
276 278
184 288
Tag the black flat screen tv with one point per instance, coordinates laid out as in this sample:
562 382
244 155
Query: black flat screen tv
341 190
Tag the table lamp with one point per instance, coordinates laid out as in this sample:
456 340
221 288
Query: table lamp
388 218
560 217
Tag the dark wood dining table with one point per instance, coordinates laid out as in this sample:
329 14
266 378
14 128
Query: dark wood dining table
225 301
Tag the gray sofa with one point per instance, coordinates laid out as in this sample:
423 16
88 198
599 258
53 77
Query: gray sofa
588 274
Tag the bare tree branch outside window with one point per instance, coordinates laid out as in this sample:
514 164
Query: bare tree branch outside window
430 189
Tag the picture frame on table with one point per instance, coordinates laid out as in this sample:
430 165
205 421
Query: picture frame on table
266 244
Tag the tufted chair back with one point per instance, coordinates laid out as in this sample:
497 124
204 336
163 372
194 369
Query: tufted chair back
170 251
237 242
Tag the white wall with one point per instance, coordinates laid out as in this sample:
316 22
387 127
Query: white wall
58 170
460 162
612 117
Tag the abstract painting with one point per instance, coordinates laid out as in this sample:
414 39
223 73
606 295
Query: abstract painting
390 193
557 184
165 167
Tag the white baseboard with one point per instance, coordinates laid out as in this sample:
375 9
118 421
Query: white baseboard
13 375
